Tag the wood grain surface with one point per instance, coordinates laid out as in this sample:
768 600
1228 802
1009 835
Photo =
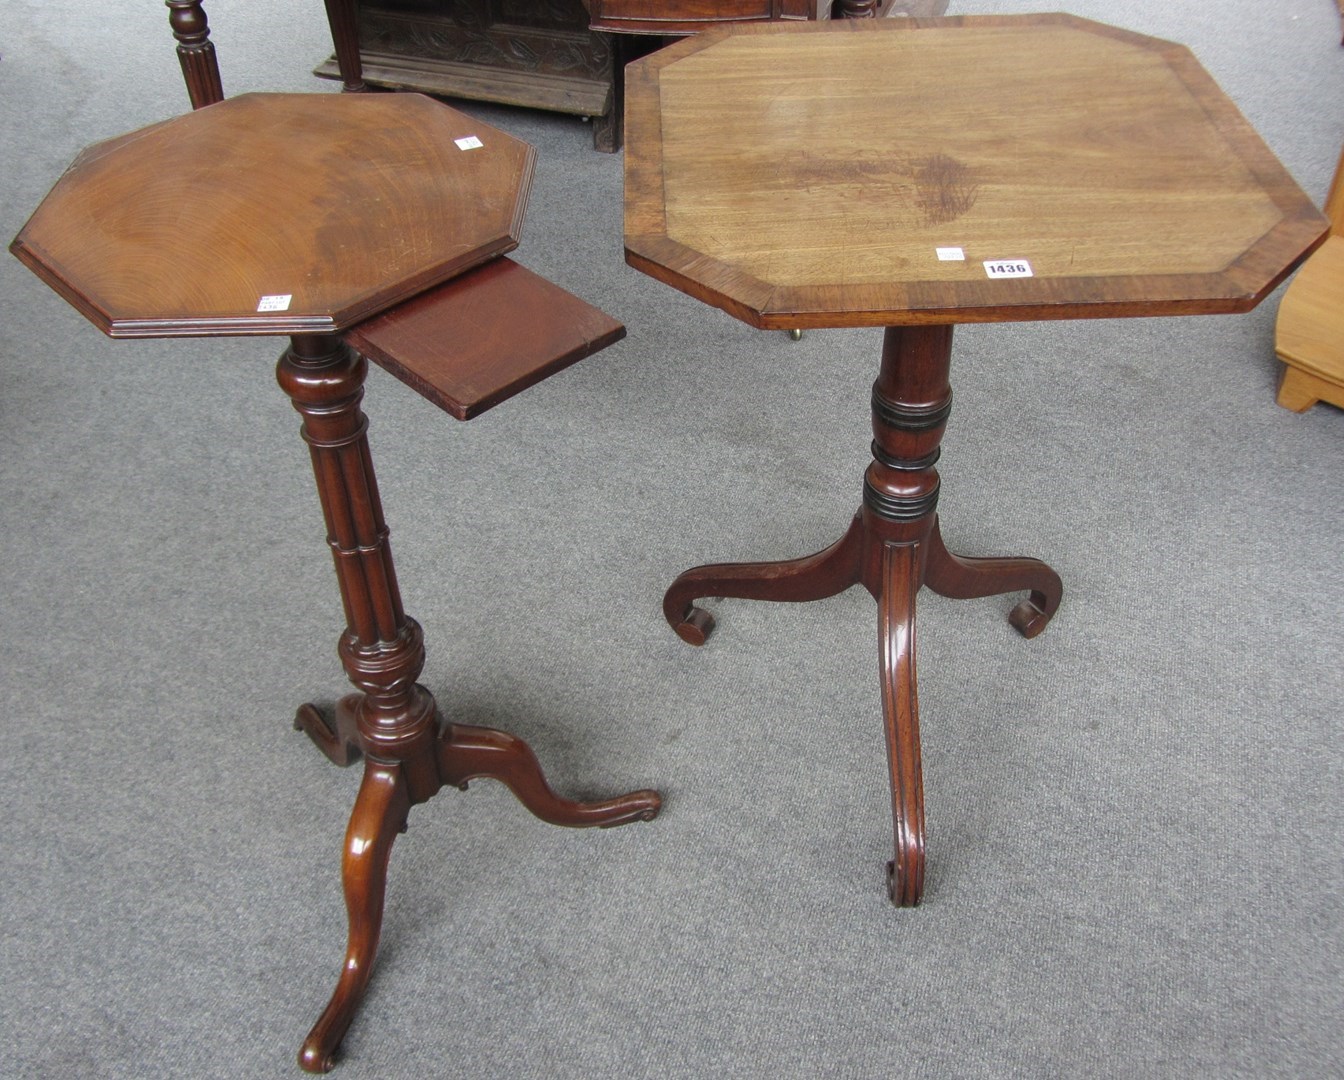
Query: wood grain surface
484 336
808 174
344 204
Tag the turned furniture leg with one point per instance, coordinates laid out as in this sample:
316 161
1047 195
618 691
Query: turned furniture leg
892 548
393 721
195 52
379 814
343 18
912 398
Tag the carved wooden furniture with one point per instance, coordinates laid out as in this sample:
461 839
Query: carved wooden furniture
544 54
956 170
1309 333
232 221
535 53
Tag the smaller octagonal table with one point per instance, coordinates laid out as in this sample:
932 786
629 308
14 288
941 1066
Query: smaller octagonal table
340 220
914 174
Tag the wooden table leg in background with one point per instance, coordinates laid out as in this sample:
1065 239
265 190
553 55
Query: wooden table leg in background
195 52
343 18
892 547
392 721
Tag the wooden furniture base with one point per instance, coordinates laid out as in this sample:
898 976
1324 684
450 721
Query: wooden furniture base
930 199
392 722
892 548
191 233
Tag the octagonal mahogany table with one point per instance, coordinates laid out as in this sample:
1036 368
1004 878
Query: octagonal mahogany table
914 174
340 220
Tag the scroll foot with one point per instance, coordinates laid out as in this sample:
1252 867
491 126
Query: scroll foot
379 814
814 577
338 737
964 578
900 716
467 752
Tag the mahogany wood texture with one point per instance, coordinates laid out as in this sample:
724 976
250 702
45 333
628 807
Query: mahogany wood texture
483 337
393 722
1309 332
1109 162
342 204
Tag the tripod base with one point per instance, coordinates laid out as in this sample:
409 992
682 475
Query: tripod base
454 755
892 548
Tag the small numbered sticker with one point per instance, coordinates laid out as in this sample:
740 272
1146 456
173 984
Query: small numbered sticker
275 303
469 143
1006 268
950 254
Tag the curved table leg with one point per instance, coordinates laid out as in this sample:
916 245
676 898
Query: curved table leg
336 736
900 718
467 753
962 578
814 577
379 814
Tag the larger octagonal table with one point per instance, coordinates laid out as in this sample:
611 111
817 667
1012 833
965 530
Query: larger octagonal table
339 220
915 174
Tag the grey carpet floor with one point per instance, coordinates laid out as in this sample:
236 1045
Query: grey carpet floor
1134 820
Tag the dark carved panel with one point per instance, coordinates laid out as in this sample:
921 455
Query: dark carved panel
548 38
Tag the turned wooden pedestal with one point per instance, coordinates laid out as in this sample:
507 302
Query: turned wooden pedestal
392 722
956 170
169 231
892 548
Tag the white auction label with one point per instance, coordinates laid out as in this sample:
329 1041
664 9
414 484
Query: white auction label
469 143
275 303
1006 268
950 254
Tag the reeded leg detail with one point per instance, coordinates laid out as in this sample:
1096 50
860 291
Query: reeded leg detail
379 814
343 18
394 722
337 736
962 578
900 719
468 753
814 577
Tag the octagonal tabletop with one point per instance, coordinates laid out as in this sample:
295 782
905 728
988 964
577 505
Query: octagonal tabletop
973 169
277 214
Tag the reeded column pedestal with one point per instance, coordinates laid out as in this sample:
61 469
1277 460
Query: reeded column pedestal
392 722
